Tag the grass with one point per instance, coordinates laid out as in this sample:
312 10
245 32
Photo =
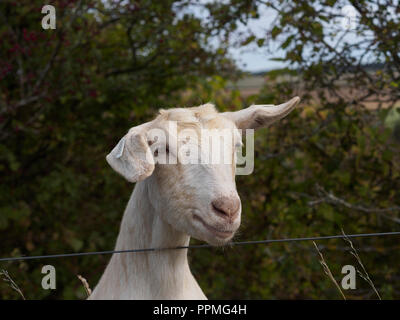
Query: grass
7 278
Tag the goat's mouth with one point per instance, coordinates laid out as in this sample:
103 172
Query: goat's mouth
217 231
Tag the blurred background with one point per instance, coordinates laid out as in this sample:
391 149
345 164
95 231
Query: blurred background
67 96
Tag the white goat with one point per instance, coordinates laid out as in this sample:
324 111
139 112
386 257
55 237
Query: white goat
173 202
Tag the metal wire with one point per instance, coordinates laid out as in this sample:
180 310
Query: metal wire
63 255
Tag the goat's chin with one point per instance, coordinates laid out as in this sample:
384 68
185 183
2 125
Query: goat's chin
212 239
211 233
218 241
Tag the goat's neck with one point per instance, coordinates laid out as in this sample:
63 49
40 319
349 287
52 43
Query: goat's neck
156 274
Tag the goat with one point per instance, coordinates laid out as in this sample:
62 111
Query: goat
172 202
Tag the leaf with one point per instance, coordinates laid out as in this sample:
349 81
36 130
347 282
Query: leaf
275 32
287 42
76 244
248 40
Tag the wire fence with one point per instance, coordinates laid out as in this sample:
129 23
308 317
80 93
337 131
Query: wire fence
241 243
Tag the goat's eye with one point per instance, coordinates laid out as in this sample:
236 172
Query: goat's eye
238 145
156 152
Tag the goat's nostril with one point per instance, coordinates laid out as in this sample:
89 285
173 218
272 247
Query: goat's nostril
226 206
218 208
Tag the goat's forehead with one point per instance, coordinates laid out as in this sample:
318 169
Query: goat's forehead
204 117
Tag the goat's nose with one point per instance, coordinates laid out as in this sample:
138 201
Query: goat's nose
228 207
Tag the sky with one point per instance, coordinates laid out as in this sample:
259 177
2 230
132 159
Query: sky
250 58
254 59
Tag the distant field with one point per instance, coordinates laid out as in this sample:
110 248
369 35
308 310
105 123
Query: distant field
248 85
252 84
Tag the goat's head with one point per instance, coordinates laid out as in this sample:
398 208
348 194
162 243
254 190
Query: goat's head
193 190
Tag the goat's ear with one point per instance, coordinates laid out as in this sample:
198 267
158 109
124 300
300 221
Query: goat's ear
261 115
132 157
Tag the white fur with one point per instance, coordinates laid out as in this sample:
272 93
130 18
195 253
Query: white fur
154 275
170 203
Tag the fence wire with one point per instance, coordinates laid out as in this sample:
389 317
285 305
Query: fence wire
240 243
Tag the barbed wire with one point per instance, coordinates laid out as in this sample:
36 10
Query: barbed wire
198 246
